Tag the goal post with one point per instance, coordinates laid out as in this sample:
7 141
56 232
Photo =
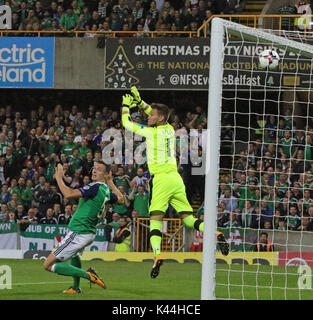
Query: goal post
212 160
221 31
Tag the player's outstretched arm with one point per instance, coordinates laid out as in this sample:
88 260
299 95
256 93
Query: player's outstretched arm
140 103
129 125
110 183
67 192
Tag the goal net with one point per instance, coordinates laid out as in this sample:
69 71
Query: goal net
259 188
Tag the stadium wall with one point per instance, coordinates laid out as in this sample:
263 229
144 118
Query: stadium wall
78 64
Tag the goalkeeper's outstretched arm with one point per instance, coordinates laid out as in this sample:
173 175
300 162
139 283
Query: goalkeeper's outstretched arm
135 127
139 102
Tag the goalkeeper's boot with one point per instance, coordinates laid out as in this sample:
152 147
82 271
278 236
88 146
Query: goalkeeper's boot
221 241
71 290
94 278
156 266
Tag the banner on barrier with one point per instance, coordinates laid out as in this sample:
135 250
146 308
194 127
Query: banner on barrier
8 235
183 63
45 237
27 62
295 258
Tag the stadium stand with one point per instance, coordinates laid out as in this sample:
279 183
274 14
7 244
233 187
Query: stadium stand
106 15
32 143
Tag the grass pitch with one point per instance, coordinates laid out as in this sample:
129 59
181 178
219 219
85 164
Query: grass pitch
125 281
177 281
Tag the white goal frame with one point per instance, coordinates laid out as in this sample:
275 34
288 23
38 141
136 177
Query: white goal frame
218 31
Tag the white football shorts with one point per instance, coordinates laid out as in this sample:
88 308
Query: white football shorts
73 244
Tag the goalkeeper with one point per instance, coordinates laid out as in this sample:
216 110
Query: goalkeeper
166 184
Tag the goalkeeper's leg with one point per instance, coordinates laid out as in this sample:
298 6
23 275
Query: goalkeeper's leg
155 234
195 223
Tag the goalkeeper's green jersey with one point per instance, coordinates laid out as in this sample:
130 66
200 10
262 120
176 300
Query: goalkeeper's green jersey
160 142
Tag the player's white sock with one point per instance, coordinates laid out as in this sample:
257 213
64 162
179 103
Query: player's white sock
52 268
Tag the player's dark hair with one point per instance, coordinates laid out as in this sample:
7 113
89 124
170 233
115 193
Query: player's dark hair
162 110
101 162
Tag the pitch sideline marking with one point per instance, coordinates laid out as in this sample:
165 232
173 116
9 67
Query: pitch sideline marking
35 283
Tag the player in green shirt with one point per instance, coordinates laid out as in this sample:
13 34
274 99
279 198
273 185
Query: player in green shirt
82 227
167 185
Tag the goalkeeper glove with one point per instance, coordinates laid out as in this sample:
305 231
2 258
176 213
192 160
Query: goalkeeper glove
127 101
135 93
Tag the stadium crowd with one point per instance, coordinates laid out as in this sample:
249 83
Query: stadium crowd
32 143
271 182
115 15
266 185
292 7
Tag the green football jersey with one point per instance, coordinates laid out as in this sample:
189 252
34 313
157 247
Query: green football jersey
160 143
95 195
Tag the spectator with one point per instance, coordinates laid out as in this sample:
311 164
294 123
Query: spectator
258 219
19 132
46 22
29 219
140 179
293 220
82 129
11 217
264 244
32 143
84 149
24 193
20 212
5 195
69 145
230 201
69 20
75 162
266 211
247 214
3 213
122 209
233 221
268 224
49 218
141 201
305 224
116 22
122 180
95 19
122 237
31 19
65 218
222 216
57 210
104 8
10 163
45 198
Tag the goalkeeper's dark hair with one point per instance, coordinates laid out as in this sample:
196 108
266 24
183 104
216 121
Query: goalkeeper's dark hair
162 109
